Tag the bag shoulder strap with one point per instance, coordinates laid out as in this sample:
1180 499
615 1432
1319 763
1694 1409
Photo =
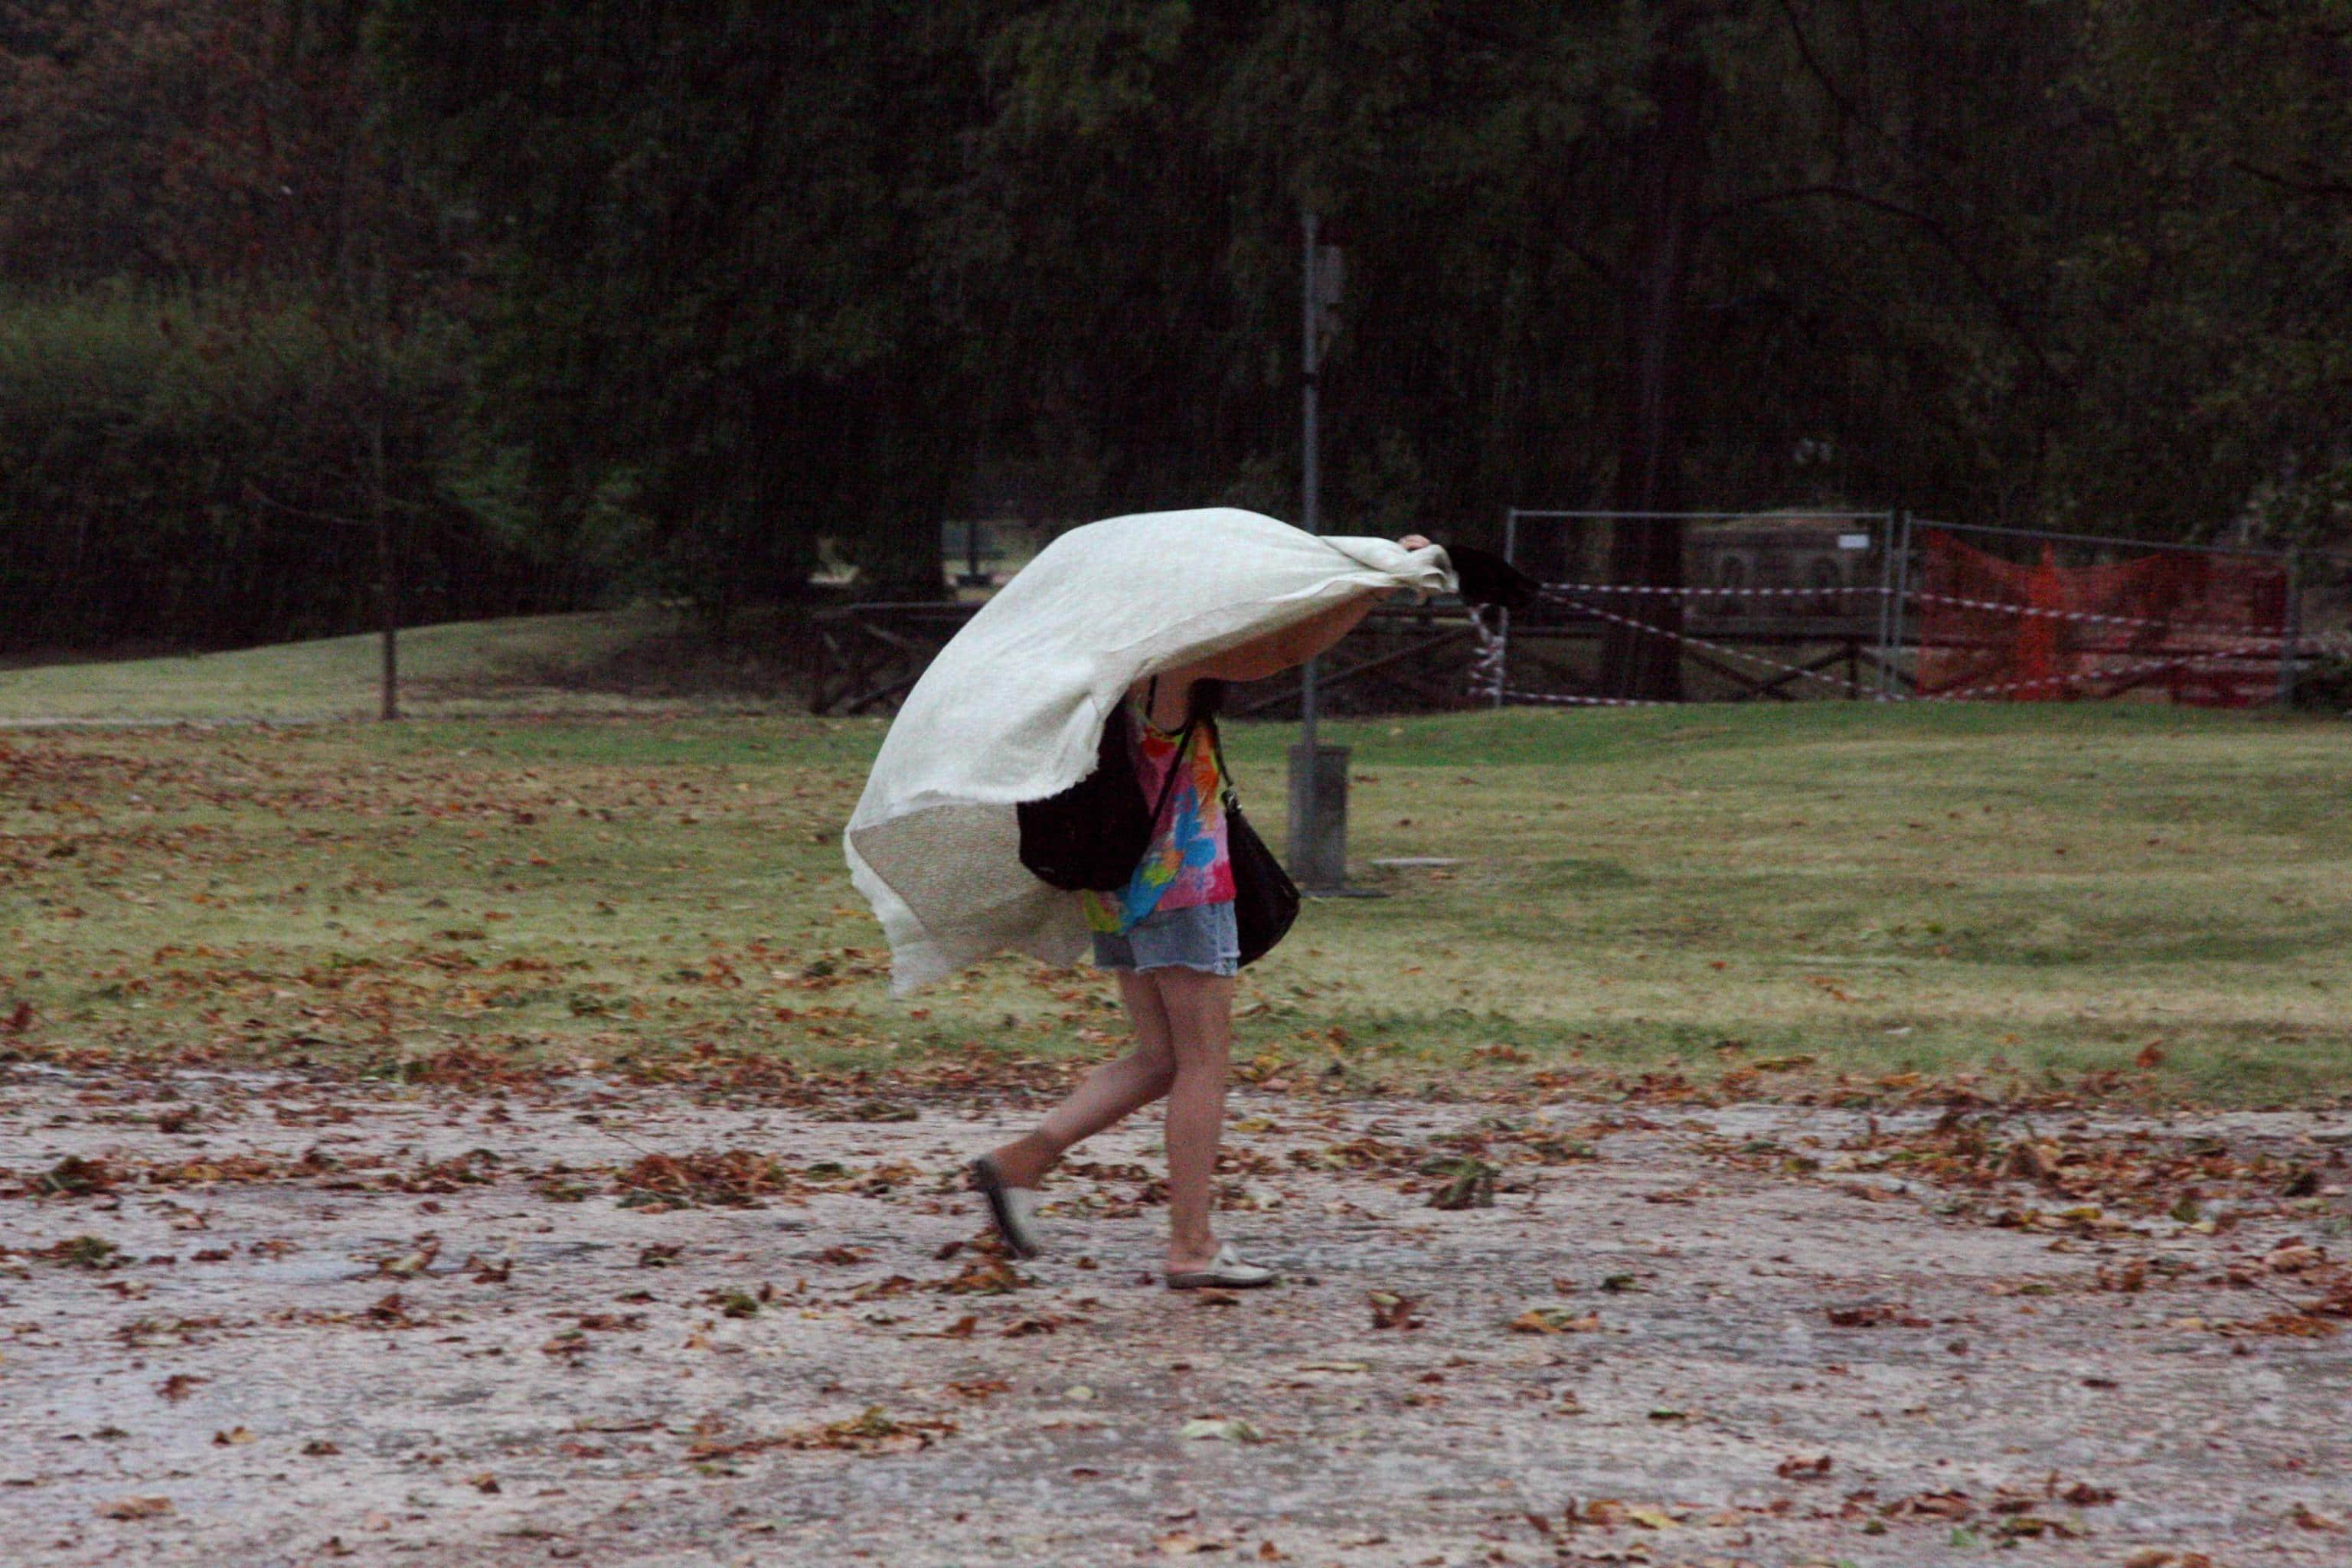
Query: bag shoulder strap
1175 766
1224 774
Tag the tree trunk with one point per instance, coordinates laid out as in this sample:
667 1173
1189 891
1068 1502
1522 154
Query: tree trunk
1670 185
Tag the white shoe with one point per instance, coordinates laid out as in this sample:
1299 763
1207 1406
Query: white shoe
1230 1271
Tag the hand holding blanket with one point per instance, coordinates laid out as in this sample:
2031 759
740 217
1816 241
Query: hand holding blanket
1012 709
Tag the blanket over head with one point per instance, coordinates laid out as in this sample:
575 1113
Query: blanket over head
1013 708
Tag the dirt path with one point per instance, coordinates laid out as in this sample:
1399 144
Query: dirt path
389 1326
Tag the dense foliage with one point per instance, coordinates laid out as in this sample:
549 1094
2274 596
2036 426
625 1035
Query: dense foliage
728 278
181 474
218 302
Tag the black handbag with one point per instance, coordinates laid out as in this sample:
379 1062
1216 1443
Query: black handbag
1094 834
1265 900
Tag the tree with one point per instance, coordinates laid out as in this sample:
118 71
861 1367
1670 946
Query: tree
190 141
2229 391
748 274
713 277
224 299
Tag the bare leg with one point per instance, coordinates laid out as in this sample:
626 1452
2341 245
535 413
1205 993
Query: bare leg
1199 1010
1106 1096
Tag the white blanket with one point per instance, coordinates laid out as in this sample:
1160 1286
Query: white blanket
1013 709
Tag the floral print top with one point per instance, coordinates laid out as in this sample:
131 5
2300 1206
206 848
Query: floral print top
1187 863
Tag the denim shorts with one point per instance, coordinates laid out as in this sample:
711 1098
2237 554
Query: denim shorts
1199 936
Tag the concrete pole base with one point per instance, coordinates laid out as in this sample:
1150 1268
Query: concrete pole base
1318 818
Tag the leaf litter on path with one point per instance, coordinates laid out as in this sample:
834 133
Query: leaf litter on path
767 1357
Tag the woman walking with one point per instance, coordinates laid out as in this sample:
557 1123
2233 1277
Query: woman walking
1170 937
1009 729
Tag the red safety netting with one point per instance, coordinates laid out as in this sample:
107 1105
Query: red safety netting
2201 628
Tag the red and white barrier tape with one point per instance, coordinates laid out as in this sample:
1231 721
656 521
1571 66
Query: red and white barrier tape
1822 592
2249 662
1490 669
1997 605
1566 699
2253 658
1723 648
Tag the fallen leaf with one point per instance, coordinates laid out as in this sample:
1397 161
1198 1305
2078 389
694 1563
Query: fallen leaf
2293 1258
411 1264
1226 1429
872 1432
1931 1505
1469 1185
985 1277
135 1508
1874 1315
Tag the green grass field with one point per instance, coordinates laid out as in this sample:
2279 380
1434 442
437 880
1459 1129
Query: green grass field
534 662
1793 898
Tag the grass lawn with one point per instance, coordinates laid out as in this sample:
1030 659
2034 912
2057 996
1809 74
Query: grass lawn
2015 897
534 662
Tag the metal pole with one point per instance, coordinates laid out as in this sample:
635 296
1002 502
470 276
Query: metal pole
1318 774
1902 591
1310 475
1885 598
2293 628
1503 617
1502 655
387 551
1310 830
387 574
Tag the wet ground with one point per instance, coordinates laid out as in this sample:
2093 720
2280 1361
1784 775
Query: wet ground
251 1320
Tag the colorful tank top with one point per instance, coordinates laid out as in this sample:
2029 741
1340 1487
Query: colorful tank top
1187 863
